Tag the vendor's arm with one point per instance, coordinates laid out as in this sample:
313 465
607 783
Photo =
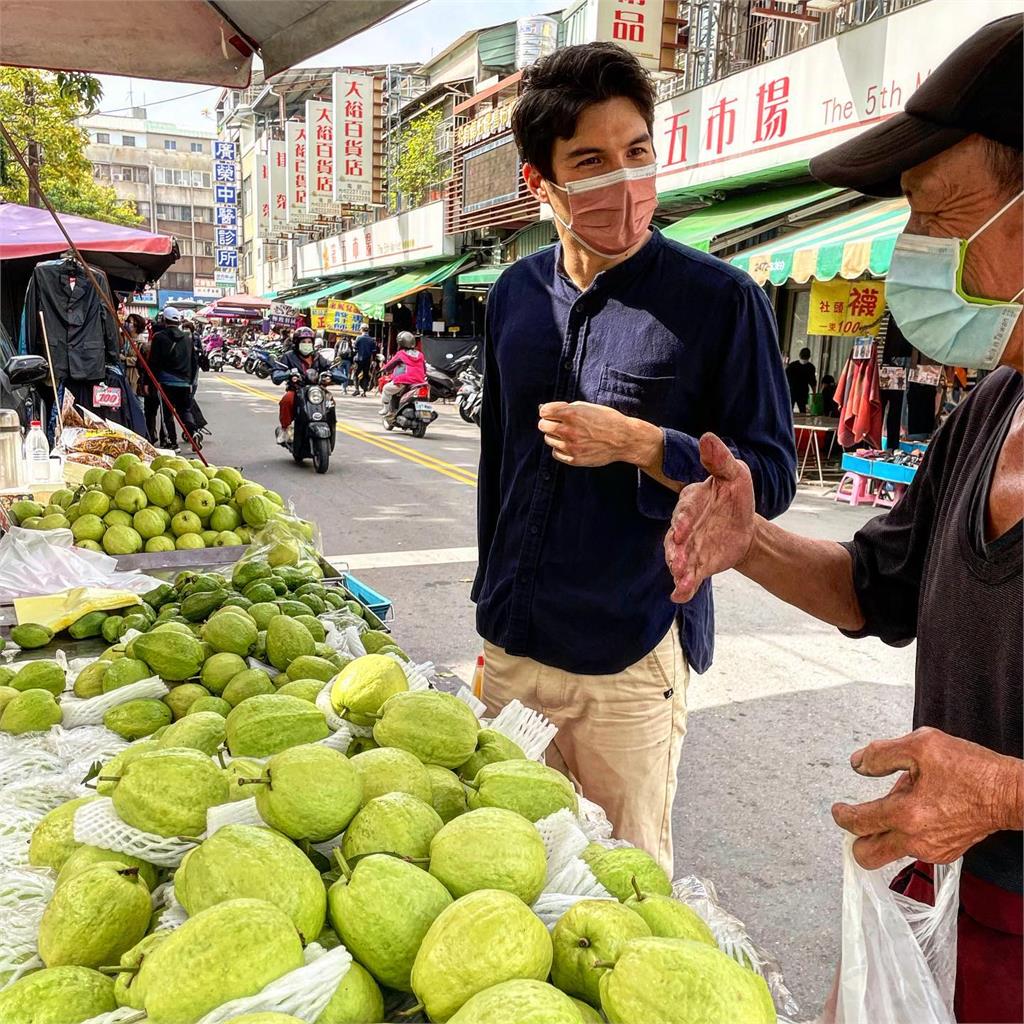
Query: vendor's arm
750 403
951 795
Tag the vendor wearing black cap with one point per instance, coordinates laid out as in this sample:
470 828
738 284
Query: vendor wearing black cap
944 566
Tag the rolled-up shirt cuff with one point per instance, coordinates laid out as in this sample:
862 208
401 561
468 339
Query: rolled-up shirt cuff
681 462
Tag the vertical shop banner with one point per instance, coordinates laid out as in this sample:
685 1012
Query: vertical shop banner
319 152
295 144
278 184
635 26
262 194
353 121
847 309
225 212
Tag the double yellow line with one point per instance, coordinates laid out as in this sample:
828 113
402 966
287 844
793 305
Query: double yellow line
448 469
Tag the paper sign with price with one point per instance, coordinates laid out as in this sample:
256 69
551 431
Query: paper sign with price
104 397
848 309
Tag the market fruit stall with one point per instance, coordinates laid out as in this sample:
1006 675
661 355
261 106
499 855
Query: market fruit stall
236 798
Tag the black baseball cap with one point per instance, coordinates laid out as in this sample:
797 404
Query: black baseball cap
976 89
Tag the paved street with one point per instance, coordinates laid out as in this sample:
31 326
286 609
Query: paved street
771 724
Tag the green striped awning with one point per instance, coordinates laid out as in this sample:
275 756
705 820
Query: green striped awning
330 290
373 301
483 275
848 246
700 228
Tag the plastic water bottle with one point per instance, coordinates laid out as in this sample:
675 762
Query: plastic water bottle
36 450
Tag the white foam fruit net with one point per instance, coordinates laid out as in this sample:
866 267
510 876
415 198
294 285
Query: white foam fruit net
97 824
527 728
80 711
238 812
24 893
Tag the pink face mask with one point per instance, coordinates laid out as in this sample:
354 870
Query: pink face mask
609 214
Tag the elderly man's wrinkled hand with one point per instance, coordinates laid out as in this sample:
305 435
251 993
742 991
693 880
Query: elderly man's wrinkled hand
713 523
951 795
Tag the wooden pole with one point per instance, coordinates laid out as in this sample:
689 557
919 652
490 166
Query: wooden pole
59 427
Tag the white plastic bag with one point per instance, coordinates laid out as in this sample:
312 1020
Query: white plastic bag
898 956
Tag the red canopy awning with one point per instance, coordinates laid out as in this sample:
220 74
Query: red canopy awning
202 41
127 253
248 301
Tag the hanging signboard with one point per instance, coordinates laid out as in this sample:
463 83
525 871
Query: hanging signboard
635 27
319 152
343 317
225 211
262 195
353 120
847 309
295 170
278 159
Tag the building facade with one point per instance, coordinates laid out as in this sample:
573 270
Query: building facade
167 171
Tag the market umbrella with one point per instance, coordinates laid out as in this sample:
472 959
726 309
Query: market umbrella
127 254
246 301
202 41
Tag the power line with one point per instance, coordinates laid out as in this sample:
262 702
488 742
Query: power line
170 99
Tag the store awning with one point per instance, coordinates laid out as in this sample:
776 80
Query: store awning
849 246
429 275
181 40
328 291
700 228
483 275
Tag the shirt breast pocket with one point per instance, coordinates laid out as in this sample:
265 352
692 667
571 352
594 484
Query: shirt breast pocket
646 398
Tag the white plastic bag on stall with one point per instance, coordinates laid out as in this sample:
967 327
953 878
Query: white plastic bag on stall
898 956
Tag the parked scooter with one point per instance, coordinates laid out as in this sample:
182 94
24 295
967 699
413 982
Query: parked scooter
261 361
313 429
470 394
411 410
446 385
216 360
18 380
236 357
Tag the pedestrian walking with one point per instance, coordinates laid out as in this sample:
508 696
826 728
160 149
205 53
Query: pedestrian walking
136 328
173 361
599 335
944 566
365 350
345 356
802 378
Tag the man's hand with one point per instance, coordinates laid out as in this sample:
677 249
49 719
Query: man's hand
713 524
953 794
583 434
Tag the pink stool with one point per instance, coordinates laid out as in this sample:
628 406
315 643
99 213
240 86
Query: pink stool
855 489
881 501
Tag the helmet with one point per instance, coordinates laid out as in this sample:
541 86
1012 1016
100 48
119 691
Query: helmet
172 315
406 339
303 334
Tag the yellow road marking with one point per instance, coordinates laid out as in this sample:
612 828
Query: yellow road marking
448 469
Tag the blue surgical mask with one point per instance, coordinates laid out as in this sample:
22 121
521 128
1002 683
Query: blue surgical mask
924 290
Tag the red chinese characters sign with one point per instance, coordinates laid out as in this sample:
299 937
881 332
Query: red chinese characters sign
320 151
353 118
846 308
297 196
635 25
277 159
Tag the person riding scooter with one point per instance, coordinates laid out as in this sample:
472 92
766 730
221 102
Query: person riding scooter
291 368
408 369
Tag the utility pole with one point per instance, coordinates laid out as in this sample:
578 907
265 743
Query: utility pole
32 152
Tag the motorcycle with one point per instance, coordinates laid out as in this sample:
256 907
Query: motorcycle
216 360
446 385
236 357
470 396
18 380
313 429
413 413
260 362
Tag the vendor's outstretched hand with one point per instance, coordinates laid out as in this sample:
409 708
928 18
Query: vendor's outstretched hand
951 795
713 523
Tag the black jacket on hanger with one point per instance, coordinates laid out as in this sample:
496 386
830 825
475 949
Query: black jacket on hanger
82 336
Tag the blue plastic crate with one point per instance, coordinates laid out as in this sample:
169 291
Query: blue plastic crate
377 603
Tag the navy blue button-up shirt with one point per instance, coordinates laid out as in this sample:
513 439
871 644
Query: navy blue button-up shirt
572 570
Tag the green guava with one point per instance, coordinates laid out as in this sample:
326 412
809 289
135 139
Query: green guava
389 770
519 1002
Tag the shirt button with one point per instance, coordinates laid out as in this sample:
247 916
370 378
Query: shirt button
534 530
567 364
546 475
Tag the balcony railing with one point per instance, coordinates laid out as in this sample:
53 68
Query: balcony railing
721 37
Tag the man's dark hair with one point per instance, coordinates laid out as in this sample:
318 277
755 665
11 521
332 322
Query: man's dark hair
558 88
805 353
1007 167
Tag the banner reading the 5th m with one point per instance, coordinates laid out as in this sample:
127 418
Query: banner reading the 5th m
846 308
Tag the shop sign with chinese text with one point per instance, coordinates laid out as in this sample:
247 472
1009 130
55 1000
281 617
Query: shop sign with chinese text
848 309
278 160
790 109
295 145
319 152
491 122
353 121
635 25
225 210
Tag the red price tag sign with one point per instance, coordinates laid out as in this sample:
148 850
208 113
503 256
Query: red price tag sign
106 398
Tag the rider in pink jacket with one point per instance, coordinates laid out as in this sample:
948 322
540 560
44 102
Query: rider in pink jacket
407 368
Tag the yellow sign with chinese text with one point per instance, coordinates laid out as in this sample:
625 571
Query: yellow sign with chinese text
848 309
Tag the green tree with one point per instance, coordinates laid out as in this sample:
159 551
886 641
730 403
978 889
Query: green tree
39 109
418 166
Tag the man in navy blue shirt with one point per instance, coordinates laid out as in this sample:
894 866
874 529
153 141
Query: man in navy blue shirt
365 350
606 358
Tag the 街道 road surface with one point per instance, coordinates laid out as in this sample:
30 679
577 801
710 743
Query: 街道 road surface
771 725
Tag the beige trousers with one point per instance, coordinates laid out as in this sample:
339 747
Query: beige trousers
619 736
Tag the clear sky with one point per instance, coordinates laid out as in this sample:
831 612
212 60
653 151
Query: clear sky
415 33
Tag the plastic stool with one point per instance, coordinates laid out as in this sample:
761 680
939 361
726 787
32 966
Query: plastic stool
881 501
855 489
